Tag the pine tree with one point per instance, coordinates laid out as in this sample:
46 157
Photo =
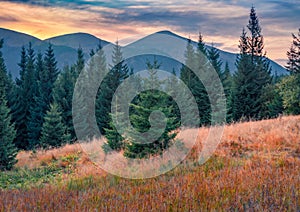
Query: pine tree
216 95
256 45
54 133
45 75
8 150
253 73
214 58
201 45
143 106
9 84
86 90
255 40
18 114
37 107
176 91
22 66
245 96
64 88
63 94
119 71
11 90
80 62
25 92
115 133
186 74
49 75
228 89
30 80
197 62
289 87
293 65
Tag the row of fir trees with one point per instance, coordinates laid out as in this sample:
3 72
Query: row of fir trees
36 107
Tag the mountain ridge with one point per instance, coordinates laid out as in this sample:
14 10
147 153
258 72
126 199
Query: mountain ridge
65 48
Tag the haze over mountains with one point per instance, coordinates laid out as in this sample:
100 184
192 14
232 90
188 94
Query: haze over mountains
65 49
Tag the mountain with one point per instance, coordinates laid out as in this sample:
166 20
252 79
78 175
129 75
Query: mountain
166 41
83 40
17 39
65 49
224 56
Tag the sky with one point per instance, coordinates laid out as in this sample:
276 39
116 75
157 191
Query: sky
220 21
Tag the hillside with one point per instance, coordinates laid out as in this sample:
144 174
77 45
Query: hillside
65 49
229 57
256 167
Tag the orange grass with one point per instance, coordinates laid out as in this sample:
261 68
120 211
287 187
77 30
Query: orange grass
256 167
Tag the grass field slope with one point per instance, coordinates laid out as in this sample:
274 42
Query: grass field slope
256 168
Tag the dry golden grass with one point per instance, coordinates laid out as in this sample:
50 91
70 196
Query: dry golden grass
256 167
81 167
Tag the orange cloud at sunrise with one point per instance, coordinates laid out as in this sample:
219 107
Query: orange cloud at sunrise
220 23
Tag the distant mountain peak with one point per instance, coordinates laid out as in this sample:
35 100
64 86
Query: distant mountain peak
70 35
167 32
65 47
14 38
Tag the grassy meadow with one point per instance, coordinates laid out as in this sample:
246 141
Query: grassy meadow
256 168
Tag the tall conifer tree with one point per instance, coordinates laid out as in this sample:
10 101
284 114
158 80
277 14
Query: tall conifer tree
253 73
293 65
119 71
8 150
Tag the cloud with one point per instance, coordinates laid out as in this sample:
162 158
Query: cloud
220 21
5 19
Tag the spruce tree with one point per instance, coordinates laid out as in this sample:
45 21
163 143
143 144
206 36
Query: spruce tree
85 91
114 137
8 150
197 62
9 83
64 88
188 76
54 132
201 94
253 73
25 92
175 90
18 110
228 89
142 107
258 56
22 65
80 62
289 87
37 107
63 94
293 65
214 58
216 95
48 76
30 81
245 96
47 72
119 71
45 75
